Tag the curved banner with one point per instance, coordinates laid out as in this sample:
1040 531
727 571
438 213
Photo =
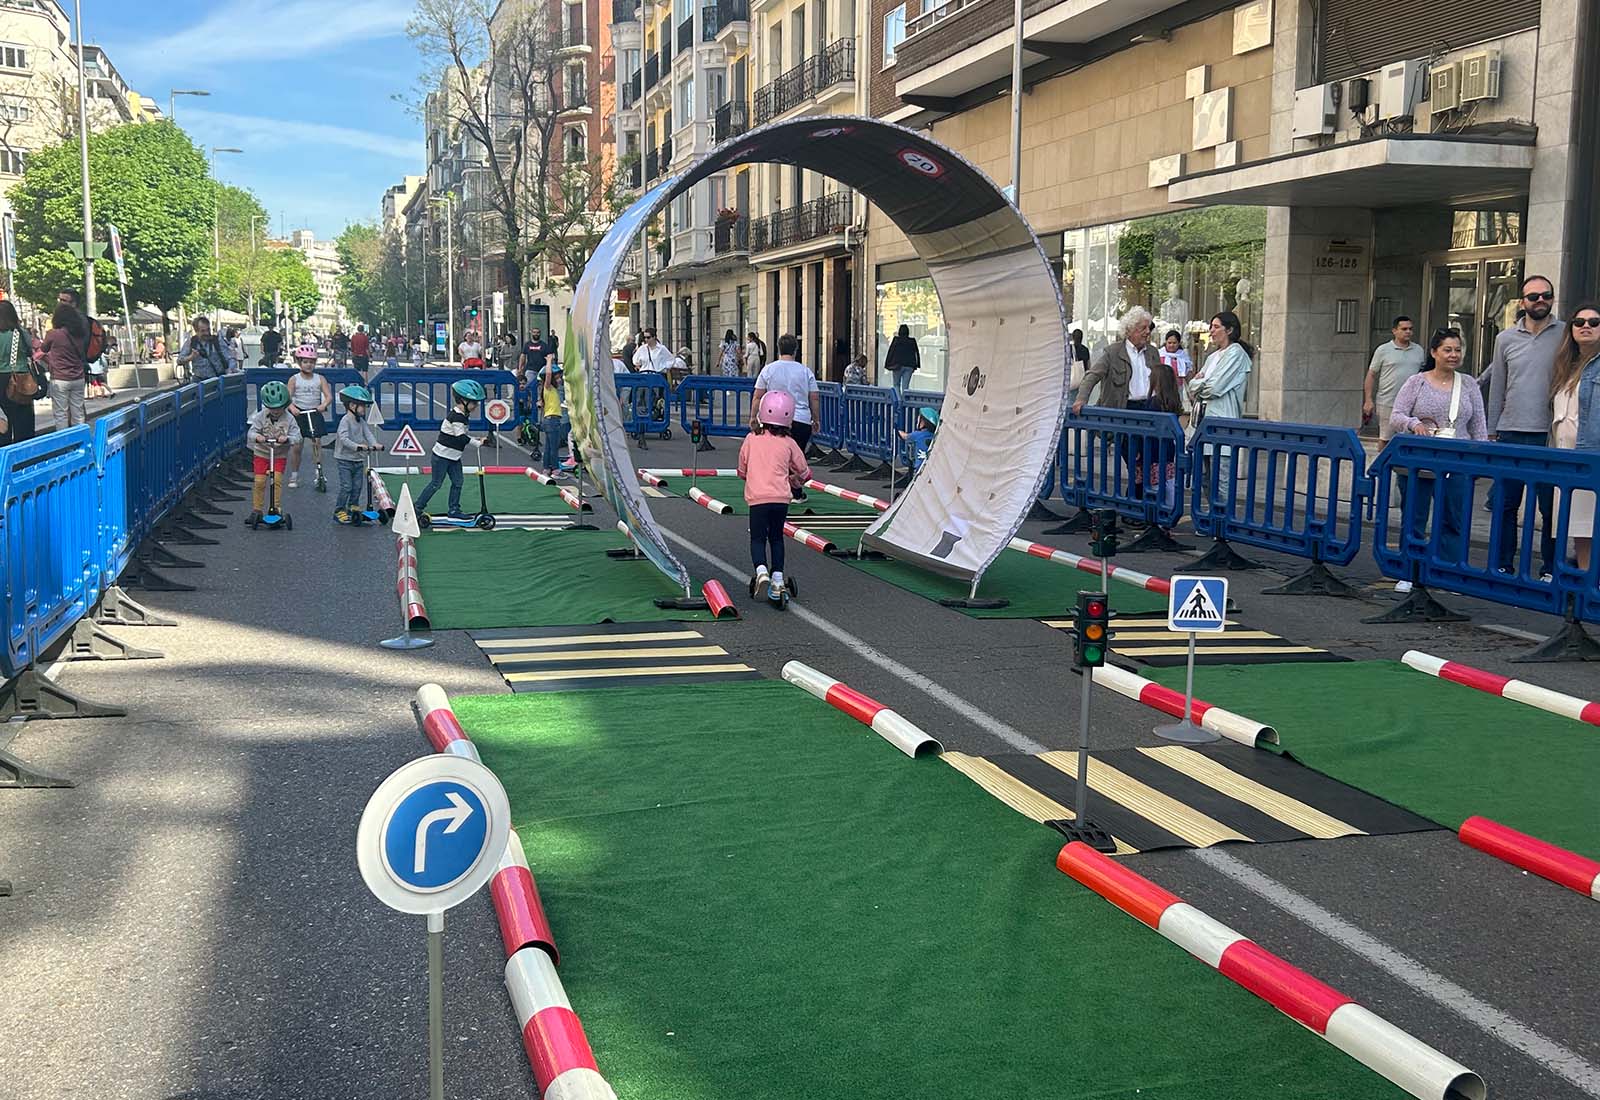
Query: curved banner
1007 391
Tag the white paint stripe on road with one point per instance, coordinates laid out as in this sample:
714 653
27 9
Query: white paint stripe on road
1493 1022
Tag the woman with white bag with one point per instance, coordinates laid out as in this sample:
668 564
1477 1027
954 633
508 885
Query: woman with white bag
1441 402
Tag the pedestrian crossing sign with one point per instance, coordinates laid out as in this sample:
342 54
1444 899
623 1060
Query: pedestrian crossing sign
1198 605
406 446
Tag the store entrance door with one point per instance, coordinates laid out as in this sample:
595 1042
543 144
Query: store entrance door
1479 296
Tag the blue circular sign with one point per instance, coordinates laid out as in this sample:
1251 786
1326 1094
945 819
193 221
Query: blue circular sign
435 835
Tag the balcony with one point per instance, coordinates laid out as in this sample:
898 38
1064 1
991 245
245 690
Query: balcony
731 235
656 161
633 174
810 221
574 99
686 34
693 140
574 41
733 119
807 81
652 70
624 11
730 18
629 92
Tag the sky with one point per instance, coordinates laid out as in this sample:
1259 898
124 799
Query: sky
307 88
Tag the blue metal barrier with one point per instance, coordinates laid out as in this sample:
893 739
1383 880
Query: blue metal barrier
338 378
191 436
871 414
829 429
420 396
49 541
118 443
646 403
159 457
1120 459
1299 489
235 412
1436 481
722 405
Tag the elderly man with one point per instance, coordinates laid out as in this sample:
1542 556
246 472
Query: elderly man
1123 368
205 355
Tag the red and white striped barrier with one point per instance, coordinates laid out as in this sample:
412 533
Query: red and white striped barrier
710 503
718 600
1397 1055
900 732
438 723
652 479
1235 727
652 471
848 494
491 470
807 539
1542 858
1568 706
539 475
574 501
381 497
1092 565
410 593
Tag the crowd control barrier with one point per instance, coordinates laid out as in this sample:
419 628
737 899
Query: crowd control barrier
829 429
338 378
721 405
1436 480
1129 461
1299 489
420 396
871 414
646 404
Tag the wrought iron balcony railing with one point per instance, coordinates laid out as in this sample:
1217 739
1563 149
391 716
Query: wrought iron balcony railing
806 80
808 221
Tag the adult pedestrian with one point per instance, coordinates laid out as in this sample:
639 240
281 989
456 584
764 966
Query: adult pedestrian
1080 366
1124 367
19 380
1218 388
1575 416
1440 402
755 354
728 357
235 350
788 374
537 352
361 350
856 373
1393 362
339 345
903 359
1175 357
203 354
652 354
1519 408
63 349
470 351
271 344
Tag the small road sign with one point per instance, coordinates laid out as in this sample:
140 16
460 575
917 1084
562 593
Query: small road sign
497 410
407 445
1198 605
404 521
432 834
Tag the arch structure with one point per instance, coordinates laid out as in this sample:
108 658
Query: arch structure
1009 370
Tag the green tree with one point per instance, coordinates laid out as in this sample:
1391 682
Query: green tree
373 285
256 265
149 181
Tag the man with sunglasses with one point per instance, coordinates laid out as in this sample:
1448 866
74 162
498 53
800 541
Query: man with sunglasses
1519 407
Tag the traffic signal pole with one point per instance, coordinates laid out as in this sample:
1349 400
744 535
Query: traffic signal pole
1091 643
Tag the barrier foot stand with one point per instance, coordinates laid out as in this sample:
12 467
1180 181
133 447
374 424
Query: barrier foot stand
974 602
215 494
882 472
139 574
15 773
408 640
159 555
1317 580
1040 513
1223 556
188 517
1088 832
1156 539
815 454
1078 523
625 553
90 642
705 445
34 695
201 505
183 537
856 465
683 603
117 608
861 554
1571 643
1418 607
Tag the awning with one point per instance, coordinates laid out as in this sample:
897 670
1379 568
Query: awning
1398 170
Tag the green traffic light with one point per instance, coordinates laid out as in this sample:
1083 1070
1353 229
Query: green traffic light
1093 655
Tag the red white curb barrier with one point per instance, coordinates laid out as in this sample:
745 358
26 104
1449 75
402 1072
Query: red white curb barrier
491 470
710 503
807 539
1404 1059
380 496
900 732
517 904
1092 565
1542 858
718 600
848 494
411 606
575 502
651 479
688 473
1568 706
1235 727
539 475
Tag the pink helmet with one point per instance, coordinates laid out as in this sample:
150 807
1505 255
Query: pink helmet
306 351
777 409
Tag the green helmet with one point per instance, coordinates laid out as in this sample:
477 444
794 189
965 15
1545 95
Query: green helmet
358 394
275 395
468 390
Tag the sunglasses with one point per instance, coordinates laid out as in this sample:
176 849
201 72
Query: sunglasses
1586 322
1539 296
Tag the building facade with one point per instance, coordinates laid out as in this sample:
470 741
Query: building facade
322 257
392 209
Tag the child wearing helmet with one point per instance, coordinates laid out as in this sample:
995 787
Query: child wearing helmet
271 433
354 436
310 397
772 466
922 438
552 416
453 438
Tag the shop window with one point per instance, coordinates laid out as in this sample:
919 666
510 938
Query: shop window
913 302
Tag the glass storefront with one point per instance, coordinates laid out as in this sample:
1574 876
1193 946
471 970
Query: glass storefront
915 304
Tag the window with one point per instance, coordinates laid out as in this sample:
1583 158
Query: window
13 57
894 33
686 98
13 162
576 144
14 109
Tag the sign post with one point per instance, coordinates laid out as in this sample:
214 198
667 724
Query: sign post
497 411
1196 605
122 281
430 837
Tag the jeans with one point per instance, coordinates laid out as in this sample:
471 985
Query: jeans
766 534
66 401
551 432
442 468
1515 491
349 483
902 378
1452 512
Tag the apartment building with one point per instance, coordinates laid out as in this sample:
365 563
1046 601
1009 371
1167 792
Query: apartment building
392 208
323 259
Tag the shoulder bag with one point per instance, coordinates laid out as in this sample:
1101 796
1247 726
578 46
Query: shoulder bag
21 384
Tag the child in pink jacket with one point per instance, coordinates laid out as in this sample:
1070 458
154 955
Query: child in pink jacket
771 464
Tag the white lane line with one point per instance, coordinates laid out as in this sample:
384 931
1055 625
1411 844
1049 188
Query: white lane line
1010 735
1554 1057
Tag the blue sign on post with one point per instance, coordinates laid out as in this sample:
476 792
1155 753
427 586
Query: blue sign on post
435 835
1198 605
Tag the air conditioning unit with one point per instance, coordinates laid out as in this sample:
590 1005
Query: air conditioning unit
1400 88
1315 112
1444 87
1480 75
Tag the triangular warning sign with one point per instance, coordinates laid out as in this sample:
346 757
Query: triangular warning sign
1198 605
406 446
405 514
374 415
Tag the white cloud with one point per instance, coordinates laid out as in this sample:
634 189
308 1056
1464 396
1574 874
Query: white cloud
264 31
311 139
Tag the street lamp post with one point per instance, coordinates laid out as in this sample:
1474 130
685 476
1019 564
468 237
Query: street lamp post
216 223
83 162
172 100
253 219
450 271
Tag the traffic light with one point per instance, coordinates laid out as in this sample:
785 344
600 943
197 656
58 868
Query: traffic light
1091 629
473 312
1103 533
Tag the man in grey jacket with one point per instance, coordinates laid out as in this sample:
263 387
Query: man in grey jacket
1519 407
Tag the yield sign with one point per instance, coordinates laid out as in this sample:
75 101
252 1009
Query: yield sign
407 446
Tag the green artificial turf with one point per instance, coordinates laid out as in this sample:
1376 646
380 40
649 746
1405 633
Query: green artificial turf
1440 749
538 578
756 897
510 494
730 490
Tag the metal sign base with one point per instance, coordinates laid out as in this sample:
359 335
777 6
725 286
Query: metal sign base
407 640
1186 733
1087 832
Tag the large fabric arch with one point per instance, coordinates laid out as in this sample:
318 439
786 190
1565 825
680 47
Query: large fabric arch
1009 371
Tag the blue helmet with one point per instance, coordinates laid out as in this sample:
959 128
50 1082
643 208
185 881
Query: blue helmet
468 390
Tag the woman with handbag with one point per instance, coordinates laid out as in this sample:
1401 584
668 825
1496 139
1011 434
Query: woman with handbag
63 355
1218 389
1575 417
1442 403
20 387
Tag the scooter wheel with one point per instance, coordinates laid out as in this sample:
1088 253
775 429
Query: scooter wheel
424 520
790 588
484 522
667 434
288 522
322 485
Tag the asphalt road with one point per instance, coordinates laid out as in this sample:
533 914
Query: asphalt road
189 921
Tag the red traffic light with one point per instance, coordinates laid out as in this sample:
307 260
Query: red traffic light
1096 608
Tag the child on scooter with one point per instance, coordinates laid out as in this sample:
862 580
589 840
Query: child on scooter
771 464
310 398
454 437
355 436
272 432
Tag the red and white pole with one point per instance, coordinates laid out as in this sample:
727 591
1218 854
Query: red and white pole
574 501
899 731
1568 706
710 503
380 496
807 539
718 600
539 475
1091 565
1540 857
689 473
652 479
412 608
1235 727
848 494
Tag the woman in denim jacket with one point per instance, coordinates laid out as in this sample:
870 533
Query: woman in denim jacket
1575 416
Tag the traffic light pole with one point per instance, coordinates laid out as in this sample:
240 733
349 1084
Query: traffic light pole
1082 806
1091 632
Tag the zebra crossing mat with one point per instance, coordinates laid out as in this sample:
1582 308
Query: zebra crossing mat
1171 796
515 523
1144 637
571 658
819 523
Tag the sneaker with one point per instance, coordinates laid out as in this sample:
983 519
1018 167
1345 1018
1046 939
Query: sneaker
342 516
456 513
1402 587
294 481
759 581
798 495
775 591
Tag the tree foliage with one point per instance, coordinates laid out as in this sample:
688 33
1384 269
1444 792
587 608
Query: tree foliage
261 265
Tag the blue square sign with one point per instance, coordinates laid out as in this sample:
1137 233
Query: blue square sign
1198 605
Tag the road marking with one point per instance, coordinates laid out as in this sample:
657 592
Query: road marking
1490 1020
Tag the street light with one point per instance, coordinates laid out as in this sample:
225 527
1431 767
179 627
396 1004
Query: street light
83 161
172 100
253 219
450 269
216 221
